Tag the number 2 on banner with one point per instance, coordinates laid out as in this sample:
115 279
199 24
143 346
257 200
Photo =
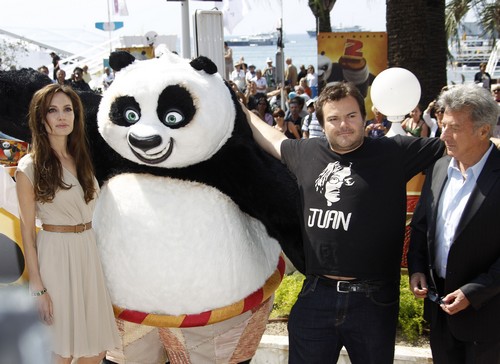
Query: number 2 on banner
353 48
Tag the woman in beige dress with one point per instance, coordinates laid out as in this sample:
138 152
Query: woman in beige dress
56 184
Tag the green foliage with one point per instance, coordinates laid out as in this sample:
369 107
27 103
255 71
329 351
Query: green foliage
486 12
411 310
286 294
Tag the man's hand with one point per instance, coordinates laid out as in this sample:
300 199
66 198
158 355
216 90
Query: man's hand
418 285
455 302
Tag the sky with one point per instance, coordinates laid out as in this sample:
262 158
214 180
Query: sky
164 17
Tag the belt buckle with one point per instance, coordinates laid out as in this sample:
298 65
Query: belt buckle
340 289
84 227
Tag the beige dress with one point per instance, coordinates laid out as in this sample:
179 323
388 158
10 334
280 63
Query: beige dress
70 268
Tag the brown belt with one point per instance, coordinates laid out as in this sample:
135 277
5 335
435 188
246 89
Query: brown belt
67 228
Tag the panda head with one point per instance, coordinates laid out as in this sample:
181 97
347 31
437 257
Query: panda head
324 67
166 112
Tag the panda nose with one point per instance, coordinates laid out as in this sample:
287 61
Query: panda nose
144 143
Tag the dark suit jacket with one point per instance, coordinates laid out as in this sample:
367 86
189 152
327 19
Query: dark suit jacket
474 257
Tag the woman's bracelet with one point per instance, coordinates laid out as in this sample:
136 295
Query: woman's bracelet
39 293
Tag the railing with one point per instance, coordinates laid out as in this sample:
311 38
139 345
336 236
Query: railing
94 56
91 57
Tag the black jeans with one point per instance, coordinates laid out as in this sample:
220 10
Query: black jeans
324 320
446 349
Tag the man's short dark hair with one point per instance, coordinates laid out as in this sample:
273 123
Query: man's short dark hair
298 100
338 91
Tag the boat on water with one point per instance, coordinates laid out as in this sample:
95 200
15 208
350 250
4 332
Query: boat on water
471 51
261 39
354 28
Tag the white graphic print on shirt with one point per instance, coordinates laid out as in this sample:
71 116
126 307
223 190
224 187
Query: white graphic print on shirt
329 183
333 177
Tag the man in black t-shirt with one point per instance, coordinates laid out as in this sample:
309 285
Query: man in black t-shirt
55 64
293 114
77 82
353 193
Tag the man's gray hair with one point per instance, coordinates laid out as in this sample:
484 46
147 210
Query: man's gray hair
471 98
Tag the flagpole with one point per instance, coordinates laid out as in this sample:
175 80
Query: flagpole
281 67
109 30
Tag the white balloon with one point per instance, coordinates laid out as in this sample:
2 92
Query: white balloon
395 92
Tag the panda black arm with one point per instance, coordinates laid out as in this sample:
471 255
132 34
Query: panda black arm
16 90
269 192
267 137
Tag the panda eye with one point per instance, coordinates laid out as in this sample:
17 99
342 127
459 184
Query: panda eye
175 108
132 116
173 118
124 111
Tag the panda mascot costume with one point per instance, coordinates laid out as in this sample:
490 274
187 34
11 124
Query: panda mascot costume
192 215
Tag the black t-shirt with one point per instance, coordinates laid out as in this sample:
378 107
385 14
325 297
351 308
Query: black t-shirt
80 85
297 122
55 61
354 204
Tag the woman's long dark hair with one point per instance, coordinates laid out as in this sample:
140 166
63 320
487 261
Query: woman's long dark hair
48 168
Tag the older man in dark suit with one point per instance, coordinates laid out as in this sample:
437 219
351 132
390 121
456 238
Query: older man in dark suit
454 256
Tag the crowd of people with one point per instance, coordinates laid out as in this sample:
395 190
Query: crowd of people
350 297
80 78
267 78
301 85
261 91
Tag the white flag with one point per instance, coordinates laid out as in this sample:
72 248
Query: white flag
233 12
120 8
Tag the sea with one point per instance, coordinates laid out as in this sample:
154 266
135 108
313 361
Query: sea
301 48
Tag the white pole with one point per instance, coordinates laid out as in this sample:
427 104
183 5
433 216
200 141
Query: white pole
186 38
109 30
282 76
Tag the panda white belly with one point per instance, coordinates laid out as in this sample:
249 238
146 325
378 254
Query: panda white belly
177 247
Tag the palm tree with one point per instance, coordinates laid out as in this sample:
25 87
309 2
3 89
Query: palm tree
417 41
487 12
321 10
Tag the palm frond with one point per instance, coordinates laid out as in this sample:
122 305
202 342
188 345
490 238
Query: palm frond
490 20
454 14
486 11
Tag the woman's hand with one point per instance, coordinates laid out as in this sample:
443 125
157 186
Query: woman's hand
44 306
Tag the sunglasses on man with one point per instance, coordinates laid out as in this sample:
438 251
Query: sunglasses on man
433 296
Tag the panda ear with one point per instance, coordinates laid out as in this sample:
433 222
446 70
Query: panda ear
205 64
120 59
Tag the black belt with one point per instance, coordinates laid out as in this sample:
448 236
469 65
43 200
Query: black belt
355 286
